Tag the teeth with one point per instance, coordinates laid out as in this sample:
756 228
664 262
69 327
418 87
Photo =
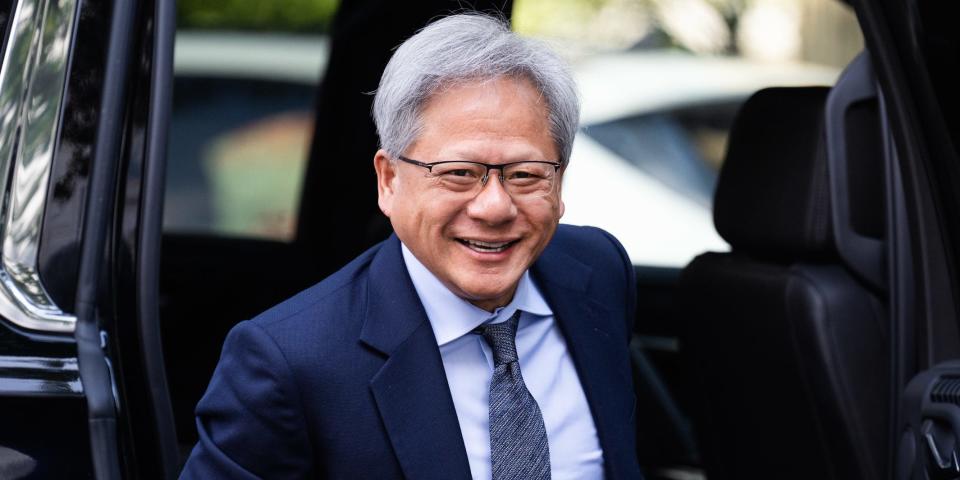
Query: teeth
487 246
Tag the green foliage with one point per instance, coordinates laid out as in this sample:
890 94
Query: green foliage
257 15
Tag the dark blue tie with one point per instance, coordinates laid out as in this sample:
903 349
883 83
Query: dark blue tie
518 439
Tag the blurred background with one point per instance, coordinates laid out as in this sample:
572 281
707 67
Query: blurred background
660 82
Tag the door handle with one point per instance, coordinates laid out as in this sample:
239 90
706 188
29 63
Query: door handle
946 468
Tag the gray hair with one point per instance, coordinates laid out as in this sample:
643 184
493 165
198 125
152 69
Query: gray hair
468 47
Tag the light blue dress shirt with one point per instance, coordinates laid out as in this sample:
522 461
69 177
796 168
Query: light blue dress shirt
545 363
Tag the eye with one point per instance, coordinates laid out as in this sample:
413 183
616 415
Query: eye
459 171
523 175
528 172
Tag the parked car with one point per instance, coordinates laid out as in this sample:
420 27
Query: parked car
110 326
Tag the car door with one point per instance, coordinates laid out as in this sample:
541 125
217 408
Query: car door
83 89
915 49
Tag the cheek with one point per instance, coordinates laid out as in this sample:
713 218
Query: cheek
545 216
430 219
442 213
404 214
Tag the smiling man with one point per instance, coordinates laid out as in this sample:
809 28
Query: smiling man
482 340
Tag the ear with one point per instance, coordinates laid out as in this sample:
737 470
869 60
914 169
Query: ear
386 180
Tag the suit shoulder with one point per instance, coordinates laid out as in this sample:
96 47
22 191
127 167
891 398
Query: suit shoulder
613 280
591 245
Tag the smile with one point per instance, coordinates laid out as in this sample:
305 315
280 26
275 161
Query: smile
486 247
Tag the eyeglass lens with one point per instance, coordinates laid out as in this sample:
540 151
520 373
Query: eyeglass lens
524 178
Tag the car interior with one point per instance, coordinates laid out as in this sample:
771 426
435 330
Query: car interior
785 326
780 329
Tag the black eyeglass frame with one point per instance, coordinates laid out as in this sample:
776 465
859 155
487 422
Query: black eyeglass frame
487 166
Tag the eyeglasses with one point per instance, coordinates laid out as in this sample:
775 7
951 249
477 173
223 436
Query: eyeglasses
530 178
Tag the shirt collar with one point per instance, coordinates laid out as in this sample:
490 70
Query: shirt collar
452 317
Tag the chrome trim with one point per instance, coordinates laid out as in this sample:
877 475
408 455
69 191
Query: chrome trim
32 375
32 80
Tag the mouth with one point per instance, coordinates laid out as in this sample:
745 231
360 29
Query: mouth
487 247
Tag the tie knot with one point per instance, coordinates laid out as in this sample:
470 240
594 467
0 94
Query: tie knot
502 339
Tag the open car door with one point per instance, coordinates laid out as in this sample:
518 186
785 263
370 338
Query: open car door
84 95
915 56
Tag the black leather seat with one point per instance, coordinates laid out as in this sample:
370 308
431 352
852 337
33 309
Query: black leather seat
788 347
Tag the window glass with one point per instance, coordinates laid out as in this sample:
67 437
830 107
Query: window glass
245 76
661 82
4 14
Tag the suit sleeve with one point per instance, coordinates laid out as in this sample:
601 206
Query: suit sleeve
250 420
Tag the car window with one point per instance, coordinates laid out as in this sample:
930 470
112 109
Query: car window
4 16
244 86
660 85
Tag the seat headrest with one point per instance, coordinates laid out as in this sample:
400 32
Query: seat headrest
772 196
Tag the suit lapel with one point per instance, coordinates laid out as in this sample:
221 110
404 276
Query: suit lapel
410 390
597 356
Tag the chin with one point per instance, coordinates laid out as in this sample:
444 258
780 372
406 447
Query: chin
488 291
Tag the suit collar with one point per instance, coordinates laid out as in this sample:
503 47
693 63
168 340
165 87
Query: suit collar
596 352
452 317
410 390
393 310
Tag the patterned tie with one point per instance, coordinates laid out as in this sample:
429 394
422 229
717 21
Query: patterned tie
518 439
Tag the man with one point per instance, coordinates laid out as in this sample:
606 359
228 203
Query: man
480 340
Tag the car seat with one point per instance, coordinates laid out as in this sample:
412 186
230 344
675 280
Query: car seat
786 338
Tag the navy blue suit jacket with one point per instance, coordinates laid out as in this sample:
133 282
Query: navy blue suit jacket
345 379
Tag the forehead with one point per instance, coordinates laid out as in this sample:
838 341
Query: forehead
503 116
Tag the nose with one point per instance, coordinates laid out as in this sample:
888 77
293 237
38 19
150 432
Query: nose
493 205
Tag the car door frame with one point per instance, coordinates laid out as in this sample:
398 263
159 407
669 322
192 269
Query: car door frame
924 210
109 124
